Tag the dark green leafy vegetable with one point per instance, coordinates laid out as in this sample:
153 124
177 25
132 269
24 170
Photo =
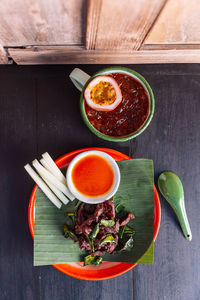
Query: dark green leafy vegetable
108 239
125 238
69 233
121 212
121 232
92 260
108 223
98 260
71 214
70 220
126 230
128 245
90 242
94 233
119 208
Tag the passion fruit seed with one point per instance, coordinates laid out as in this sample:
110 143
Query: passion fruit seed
103 93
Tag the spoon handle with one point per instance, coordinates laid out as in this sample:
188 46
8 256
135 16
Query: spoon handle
183 220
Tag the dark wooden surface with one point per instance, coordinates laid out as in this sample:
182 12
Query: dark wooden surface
39 111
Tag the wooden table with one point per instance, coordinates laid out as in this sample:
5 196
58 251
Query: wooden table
39 111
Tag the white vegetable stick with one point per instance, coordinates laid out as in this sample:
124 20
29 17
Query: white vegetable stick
50 165
43 186
57 192
47 166
45 174
55 170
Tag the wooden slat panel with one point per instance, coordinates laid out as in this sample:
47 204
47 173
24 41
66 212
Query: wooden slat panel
120 24
64 55
41 22
169 46
3 56
93 15
178 23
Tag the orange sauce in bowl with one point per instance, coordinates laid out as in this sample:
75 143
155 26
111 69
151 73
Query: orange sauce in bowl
92 176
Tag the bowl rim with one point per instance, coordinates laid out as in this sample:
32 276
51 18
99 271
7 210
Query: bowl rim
97 199
138 77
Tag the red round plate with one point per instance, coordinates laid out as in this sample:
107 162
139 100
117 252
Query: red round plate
107 269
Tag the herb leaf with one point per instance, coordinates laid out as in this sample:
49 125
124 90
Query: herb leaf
95 231
128 245
108 223
127 230
108 239
69 233
119 208
92 260
90 242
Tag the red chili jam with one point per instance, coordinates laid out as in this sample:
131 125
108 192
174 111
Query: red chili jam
129 115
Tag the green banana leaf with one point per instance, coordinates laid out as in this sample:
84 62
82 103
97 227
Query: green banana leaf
135 193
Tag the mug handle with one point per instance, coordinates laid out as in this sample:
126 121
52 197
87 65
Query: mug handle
79 78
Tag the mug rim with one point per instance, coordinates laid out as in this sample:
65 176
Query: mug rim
143 81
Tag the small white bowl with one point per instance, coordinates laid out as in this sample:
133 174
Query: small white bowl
96 199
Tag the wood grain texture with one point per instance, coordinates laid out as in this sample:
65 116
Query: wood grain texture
3 56
178 23
41 22
66 55
93 16
18 279
173 144
39 111
170 47
120 24
56 285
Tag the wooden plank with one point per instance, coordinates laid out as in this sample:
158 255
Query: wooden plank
119 288
41 22
170 46
93 15
120 24
64 55
178 23
3 56
18 279
173 144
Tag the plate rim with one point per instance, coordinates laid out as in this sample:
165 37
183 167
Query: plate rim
123 267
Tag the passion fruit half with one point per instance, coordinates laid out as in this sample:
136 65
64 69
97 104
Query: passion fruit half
103 93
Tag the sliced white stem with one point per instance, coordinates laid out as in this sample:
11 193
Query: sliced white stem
47 166
45 174
43 186
52 167
57 192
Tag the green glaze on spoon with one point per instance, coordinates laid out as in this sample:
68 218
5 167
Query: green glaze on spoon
171 188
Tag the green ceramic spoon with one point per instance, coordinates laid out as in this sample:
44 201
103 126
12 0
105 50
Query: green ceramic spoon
171 188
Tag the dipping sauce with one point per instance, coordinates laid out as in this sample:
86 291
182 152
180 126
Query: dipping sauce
129 116
93 176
